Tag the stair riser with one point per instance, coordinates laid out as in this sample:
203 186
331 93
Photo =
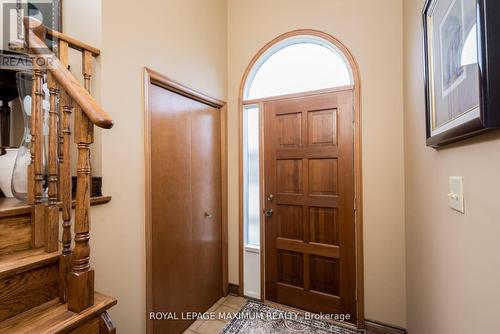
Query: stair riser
15 234
21 292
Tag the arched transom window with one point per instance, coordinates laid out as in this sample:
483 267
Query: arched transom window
295 65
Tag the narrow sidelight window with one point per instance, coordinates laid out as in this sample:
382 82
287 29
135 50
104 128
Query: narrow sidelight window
251 176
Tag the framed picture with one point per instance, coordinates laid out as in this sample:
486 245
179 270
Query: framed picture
13 11
462 71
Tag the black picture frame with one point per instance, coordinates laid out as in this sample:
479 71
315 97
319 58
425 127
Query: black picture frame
488 46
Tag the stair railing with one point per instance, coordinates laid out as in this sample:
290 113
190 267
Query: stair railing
67 96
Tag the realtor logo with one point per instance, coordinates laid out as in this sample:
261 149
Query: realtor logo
15 62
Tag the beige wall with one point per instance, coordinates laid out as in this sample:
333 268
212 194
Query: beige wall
373 32
185 40
453 260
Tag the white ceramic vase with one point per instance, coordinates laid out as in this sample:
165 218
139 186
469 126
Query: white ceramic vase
7 162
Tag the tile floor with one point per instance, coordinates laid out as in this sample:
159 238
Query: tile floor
225 305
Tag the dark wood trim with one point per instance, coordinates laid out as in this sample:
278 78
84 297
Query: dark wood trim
148 207
357 159
262 205
234 289
176 87
98 200
298 95
241 245
376 327
224 200
152 77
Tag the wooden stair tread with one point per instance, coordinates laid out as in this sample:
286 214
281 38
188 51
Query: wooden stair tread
14 207
25 260
54 317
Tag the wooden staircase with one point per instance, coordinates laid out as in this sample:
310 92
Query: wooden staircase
47 286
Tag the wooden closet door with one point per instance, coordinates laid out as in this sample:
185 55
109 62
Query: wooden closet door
185 183
309 170
206 199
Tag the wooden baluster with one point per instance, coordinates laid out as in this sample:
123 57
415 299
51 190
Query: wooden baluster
81 279
52 210
62 51
65 110
35 170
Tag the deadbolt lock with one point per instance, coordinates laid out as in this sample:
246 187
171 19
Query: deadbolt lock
268 212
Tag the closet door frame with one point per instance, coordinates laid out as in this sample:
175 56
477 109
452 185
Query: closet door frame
152 77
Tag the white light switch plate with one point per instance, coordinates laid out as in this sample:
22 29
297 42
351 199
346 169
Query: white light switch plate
456 193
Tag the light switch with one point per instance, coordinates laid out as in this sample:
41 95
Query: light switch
456 193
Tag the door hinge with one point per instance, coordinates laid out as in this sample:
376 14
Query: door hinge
355 204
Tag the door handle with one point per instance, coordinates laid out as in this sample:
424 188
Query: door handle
268 212
208 215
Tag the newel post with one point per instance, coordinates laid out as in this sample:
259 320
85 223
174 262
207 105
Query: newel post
81 279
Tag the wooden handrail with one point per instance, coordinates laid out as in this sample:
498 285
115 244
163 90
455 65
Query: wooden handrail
72 42
35 33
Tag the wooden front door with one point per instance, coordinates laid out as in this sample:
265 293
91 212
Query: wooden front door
309 186
186 264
